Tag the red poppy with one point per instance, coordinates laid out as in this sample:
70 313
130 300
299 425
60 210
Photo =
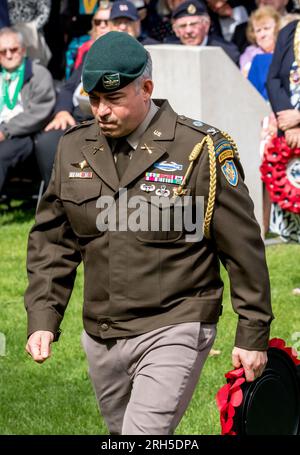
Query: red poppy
280 173
280 344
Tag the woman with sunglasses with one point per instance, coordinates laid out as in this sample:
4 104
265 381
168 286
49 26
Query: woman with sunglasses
100 26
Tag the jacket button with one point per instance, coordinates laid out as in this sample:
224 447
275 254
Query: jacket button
104 326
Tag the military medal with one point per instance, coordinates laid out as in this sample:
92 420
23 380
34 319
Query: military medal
80 175
147 188
168 167
162 191
163 178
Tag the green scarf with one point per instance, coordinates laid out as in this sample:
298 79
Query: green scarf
7 77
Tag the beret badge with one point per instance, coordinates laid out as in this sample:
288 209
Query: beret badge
111 81
191 9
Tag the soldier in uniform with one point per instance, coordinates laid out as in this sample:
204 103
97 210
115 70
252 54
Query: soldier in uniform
192 26
152 296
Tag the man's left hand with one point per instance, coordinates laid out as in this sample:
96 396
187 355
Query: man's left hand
2 137
254 362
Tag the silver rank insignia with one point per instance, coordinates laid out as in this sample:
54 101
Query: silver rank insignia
197 123
212 131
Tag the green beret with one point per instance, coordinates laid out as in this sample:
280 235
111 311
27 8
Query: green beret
113 61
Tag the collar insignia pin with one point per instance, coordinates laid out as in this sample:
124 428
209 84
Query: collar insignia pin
198 123
145 147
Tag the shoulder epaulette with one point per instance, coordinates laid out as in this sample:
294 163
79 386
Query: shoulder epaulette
198 125
78 126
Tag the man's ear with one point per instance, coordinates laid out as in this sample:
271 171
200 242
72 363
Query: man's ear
147 88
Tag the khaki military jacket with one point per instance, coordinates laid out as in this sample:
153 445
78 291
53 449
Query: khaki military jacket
137 281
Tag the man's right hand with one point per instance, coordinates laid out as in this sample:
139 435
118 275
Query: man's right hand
289 118
61 121
39 345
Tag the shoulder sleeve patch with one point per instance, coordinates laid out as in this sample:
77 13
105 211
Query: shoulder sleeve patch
226 153
230 172
223 150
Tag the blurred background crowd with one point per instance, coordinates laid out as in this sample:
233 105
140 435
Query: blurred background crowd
43 44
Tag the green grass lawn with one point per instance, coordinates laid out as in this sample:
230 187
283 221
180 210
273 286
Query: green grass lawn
57 397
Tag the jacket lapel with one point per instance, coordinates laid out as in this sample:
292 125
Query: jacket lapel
100 158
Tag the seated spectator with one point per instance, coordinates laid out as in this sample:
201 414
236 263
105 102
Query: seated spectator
27 100
79 45
240 36
124 17
262 31
191 24
261 63
226 16
159 20
100 26
67 113
29 18
147 14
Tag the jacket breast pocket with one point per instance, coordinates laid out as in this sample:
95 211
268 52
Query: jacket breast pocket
163 220
79 199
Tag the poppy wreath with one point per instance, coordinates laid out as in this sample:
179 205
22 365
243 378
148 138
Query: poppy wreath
280 171
230 395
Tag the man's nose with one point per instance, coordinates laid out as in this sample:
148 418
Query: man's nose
103 109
